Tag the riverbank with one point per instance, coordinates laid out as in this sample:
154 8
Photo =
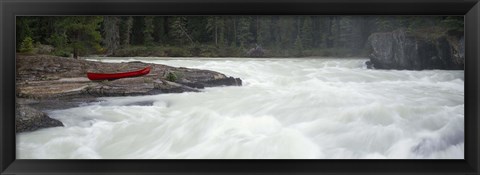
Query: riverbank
48 82
213 51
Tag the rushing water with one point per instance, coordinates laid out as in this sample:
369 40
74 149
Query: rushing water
287 108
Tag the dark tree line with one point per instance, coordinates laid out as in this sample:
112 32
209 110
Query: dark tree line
294 35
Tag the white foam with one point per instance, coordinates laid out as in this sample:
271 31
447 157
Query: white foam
287 108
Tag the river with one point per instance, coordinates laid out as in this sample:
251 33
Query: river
286 109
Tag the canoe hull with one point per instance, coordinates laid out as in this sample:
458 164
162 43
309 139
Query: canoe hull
113 76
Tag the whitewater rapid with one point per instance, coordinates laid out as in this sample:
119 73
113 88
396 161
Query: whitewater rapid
286 109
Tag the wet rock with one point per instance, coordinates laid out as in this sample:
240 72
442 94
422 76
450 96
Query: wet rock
121 87
400 50
224 82
369 64
49 82
172 87
258 51
30 119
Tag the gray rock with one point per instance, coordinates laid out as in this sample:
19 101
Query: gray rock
258 51
224 82
44 77
48 82
30 119
399 50
171 87
121 87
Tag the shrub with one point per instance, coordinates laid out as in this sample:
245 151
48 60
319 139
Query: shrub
171 77
176 52
27 45
195 51
63 52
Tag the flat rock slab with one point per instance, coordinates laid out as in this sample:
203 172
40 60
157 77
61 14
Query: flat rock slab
50 82
50 90
51 77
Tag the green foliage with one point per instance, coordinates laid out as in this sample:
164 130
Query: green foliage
176 52
79 35
215 36
23 30
171 77
209 51
125 30
286 34
148 31
58 40
195 50
454 23
133 51
63 52
264 36
386 24
27 45
216 27
244 35
178 30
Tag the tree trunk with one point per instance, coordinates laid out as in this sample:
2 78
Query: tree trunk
75 53
216 32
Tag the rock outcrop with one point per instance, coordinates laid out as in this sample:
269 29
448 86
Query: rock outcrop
53 82
30 119
258 51
400 50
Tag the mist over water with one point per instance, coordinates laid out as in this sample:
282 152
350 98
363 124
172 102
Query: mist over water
287 108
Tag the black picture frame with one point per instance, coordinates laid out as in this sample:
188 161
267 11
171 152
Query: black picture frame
9 9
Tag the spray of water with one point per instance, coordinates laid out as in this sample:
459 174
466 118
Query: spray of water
287 109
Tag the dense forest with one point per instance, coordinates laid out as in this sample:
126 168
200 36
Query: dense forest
216 36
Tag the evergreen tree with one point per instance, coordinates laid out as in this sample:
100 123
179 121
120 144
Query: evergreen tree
78 35
125 30
264 36
244 35
27 45
111 34
159 31
216 27
178 30
453 23
286 32
23 30
138 28
148 31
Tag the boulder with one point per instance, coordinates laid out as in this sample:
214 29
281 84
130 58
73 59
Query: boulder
258 51
400 50
30 119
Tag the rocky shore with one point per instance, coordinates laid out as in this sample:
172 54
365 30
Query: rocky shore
48 82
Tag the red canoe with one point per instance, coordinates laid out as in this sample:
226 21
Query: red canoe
102 76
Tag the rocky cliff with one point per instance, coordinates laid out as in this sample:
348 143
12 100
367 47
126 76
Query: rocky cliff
48 82
400 50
